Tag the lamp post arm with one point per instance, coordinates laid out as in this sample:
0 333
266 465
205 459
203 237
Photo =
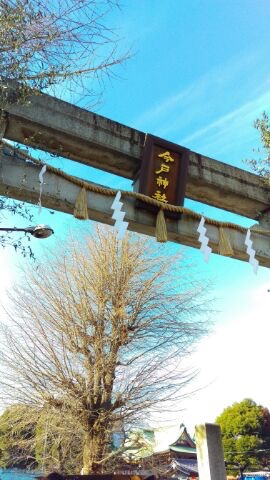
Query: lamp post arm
28 230
39 231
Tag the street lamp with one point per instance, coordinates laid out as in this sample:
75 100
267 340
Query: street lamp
38 231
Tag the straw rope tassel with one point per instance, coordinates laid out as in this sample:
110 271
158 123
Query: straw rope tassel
161 227
80 209
224 246
91 187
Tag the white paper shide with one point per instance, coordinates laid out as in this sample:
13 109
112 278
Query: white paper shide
118 216
203 239
41 182
251 252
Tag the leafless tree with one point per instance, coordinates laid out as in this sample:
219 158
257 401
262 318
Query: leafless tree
44 43
99 331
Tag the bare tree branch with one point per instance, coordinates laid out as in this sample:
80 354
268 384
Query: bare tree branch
100 331
44 43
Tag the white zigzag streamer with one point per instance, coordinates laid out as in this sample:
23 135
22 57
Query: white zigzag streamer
251 252
203 239
41 181
118 216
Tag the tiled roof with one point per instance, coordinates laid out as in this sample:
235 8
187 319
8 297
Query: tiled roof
185 466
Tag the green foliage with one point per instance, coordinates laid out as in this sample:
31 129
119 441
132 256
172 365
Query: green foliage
261 166
47 440
263 126
245 433
243 417
17 429
58 444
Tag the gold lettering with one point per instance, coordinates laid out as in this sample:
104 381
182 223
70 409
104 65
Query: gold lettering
162 182
166 157
161 197
163 168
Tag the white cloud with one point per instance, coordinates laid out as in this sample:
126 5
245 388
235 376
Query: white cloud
233 361
231 122
191 103
215 114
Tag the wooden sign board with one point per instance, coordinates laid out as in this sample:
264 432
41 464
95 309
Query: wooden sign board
163 174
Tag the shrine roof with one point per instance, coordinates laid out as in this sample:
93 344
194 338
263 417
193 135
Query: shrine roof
182 449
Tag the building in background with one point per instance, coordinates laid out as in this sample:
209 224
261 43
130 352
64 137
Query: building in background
155 451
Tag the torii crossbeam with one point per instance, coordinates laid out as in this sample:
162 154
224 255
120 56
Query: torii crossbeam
52 125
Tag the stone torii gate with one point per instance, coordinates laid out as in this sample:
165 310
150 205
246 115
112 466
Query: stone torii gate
58 127
61 128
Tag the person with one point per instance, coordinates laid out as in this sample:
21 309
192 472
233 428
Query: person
54 476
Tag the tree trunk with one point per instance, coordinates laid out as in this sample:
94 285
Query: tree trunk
94 448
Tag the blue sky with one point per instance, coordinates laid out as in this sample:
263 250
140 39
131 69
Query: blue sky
200 70
199 77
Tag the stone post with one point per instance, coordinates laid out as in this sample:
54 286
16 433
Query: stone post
210 456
